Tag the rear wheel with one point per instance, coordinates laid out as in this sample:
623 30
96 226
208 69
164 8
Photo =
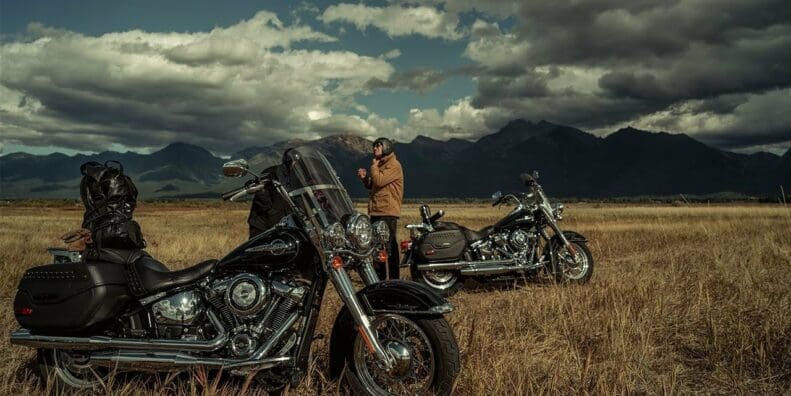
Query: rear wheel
444 283
70 370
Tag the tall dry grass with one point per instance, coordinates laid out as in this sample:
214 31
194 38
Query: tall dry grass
683 299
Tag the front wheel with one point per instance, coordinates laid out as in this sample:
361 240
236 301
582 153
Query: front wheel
576 267
425 352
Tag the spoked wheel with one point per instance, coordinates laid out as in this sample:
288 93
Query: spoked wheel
425 352
71 370
444 283
574 267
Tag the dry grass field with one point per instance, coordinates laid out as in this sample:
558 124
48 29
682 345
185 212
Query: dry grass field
684 299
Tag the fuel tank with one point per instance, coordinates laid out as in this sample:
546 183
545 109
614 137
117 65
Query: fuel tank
277 248
516 217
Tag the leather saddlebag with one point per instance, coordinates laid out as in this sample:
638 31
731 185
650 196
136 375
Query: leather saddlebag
70 298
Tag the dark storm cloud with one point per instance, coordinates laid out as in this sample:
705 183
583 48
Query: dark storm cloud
637 61
419 80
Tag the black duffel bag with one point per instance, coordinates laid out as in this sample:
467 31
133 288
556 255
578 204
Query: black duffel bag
110 199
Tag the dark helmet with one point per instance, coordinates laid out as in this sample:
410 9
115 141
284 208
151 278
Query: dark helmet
387 145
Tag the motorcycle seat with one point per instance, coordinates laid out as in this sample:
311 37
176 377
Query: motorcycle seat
473 236
147 276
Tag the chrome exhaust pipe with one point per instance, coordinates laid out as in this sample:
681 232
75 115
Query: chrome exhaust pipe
493 270
462 265
160 361
23 337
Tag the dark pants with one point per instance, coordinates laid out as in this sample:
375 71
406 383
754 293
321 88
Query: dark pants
392 249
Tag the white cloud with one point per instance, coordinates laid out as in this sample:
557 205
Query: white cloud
459 120
228 88
392 54
397 20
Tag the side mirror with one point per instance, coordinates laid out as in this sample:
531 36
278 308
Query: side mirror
497 195
235 168
535 175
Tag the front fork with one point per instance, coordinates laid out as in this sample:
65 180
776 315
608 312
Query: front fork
343 285
554 226
367 272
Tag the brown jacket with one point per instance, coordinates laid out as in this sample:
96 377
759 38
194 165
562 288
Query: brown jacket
386 182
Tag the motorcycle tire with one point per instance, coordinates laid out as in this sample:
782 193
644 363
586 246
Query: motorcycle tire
564 276
52 366
436 330
444 289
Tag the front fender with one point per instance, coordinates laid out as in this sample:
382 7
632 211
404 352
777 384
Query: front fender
402 297
573 236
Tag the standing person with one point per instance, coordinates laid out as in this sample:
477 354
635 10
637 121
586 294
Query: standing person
386 182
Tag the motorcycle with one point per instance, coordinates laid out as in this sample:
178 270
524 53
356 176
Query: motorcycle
253 312
443 255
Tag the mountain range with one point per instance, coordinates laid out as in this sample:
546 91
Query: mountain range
571 163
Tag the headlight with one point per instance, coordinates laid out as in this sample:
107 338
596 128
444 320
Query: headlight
335 236
557 211
359 231
381 232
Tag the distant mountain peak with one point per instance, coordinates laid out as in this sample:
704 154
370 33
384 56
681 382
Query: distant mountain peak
181 146
350 141
420 139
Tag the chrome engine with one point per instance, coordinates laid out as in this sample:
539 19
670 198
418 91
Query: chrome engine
252 310
516 244
246 295
178 309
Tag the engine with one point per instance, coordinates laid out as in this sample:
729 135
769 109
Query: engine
505 245
251 310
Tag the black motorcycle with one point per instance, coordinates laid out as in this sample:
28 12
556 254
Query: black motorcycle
252 312
442 255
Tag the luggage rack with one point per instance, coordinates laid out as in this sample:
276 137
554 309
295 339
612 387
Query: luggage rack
60 256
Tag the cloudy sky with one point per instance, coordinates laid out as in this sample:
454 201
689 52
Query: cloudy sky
88 76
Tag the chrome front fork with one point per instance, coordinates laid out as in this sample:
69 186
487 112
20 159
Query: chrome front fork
367 273
554 226
343 285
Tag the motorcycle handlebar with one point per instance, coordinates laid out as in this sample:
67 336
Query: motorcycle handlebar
228 194
436 216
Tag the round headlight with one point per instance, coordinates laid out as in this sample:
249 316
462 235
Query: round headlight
381 232
335 236
557 210
359 231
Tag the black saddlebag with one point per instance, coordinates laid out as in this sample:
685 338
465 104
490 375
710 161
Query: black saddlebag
70 298
445 245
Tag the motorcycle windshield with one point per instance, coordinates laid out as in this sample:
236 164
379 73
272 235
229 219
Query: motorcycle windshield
315 188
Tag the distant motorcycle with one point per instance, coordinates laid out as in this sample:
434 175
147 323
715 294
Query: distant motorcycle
442 255
253 312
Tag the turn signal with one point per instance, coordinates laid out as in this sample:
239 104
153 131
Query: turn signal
337 262
382 256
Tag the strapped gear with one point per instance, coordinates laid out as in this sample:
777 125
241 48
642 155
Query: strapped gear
110 198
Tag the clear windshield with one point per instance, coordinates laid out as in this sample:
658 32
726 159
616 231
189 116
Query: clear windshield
314 187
